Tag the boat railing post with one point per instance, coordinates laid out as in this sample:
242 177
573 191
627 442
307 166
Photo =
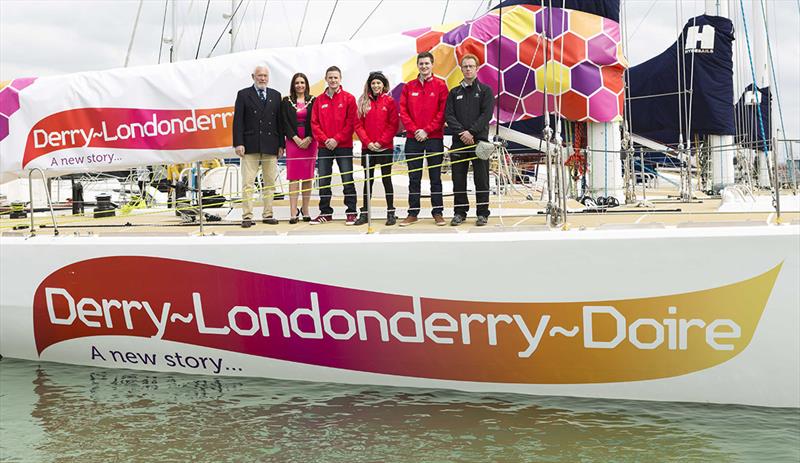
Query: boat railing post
199 185
368 179
777 184
47 195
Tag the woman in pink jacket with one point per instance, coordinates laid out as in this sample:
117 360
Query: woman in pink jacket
376 127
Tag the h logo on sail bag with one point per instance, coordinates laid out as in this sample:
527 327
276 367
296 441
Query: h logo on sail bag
699 39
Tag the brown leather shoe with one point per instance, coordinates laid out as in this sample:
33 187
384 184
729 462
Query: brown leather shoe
410 220
439 220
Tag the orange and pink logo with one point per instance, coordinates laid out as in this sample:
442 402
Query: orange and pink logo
130 128
315 324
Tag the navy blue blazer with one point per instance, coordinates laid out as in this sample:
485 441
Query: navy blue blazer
257 125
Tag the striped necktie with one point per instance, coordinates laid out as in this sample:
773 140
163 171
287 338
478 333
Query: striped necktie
262 95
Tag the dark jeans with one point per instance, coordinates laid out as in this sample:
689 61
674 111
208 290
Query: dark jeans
384 158
480 174
344 159
414 159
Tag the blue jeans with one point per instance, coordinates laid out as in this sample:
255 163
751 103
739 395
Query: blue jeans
414 159
344 159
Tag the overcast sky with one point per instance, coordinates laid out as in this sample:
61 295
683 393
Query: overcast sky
51 37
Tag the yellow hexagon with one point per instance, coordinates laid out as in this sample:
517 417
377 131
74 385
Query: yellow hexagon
4 84
585 25
445 27
319 87
518 24
621 55
455 78
444 59
556 81
409 70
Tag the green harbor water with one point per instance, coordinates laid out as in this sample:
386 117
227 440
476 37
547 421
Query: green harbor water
63 413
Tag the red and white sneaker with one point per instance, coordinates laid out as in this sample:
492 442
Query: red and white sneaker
322 218
351 219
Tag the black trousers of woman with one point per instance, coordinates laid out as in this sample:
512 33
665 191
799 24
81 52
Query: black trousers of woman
384 158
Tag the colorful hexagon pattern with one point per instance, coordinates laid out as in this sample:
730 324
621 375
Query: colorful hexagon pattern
9 101
577 57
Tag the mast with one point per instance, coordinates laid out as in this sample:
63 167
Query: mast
720 147
761 63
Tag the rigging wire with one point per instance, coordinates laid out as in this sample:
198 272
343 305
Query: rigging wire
330 18
133 34
235 33
202 29
302 21
225 29
475 14
366 19
163 25
260 25
447 3
636 29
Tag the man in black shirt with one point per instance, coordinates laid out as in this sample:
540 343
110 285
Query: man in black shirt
468 112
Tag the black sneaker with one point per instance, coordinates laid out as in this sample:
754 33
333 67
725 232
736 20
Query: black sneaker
247 223
362 219
270 221
482 220
391 219
456 220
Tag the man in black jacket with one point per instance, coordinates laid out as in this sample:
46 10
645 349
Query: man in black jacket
258 139
468 112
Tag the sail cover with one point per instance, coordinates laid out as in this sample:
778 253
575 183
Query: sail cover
701 61
182 112
751 121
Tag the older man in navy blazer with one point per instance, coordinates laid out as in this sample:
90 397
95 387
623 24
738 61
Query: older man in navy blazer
258 138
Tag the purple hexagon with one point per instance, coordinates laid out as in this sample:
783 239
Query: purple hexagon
506 52
519 80
511 107
603 106
3 127
488 75
534 103
457 35
586 78
397 91
552 21
602 50
417 32
486 28
611 28
9 101
23 82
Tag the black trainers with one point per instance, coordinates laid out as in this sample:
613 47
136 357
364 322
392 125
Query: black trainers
270 221
482 220
456 220
247 223
362 219
391 219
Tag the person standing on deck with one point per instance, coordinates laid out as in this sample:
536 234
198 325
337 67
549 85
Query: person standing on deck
422 105
301 148
333 119
258 139
376 127
469 110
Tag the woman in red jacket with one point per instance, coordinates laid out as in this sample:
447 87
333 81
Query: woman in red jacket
376 127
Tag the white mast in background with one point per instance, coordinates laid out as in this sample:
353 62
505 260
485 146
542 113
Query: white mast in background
720 147
760 61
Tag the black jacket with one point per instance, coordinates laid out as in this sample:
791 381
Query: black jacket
289 117
257 125
469 108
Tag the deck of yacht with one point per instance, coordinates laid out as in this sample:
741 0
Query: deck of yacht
509 214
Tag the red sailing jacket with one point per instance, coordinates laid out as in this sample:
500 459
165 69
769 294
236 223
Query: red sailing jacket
334 118
379 124
422 106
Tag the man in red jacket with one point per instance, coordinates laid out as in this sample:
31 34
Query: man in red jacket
333 120
422 105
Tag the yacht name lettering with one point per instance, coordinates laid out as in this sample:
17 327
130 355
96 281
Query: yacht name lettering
154 127
602 327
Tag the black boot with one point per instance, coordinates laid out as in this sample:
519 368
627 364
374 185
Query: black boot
390 218
362 219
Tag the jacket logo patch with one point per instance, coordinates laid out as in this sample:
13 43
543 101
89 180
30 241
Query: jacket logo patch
324 106
459 97
414 93
433 94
